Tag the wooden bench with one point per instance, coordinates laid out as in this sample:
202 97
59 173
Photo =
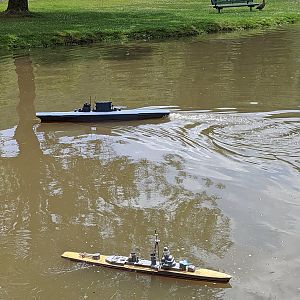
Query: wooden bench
220 4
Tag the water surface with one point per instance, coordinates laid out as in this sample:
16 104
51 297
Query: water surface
219 179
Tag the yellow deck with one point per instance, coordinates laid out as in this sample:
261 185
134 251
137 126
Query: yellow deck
199 274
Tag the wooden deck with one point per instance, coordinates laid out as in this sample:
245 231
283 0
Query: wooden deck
199 274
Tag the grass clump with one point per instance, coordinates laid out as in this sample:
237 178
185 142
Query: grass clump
64 22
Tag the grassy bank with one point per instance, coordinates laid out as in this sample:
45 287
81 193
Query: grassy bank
61 22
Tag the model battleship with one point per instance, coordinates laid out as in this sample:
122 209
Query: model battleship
102 111
164 266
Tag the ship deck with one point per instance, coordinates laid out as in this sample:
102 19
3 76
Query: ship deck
199 274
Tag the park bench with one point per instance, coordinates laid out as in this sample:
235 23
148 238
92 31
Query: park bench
220 4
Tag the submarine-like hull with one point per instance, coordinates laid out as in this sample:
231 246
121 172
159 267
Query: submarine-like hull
94 116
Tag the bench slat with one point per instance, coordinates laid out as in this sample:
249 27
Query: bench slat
217 2
237 5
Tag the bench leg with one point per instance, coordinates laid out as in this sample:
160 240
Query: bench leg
250 8
219 9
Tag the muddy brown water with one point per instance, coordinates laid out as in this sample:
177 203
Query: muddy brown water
218 179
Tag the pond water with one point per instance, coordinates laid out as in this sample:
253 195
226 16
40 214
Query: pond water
218 179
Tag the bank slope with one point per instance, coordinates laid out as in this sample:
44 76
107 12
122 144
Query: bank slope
55 22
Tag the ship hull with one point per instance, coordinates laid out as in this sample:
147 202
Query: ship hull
199 274
123 115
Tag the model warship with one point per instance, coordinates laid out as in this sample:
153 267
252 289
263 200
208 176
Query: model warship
102 111
165 266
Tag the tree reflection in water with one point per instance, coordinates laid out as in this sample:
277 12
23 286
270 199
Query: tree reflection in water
127 198
22 195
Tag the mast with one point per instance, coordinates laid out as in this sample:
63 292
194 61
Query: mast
156 245
155 262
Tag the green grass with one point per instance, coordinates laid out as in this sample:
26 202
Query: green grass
61 22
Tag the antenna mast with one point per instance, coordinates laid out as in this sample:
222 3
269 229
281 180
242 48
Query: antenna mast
156 245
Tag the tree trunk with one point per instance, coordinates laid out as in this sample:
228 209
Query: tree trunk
17 7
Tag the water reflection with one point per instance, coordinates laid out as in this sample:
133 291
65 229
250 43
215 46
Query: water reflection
74 178
128 52
129 190
220 185
24 175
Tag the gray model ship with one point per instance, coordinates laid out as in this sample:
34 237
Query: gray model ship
167 262
164 266
102 111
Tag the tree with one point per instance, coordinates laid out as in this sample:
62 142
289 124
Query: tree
17 7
